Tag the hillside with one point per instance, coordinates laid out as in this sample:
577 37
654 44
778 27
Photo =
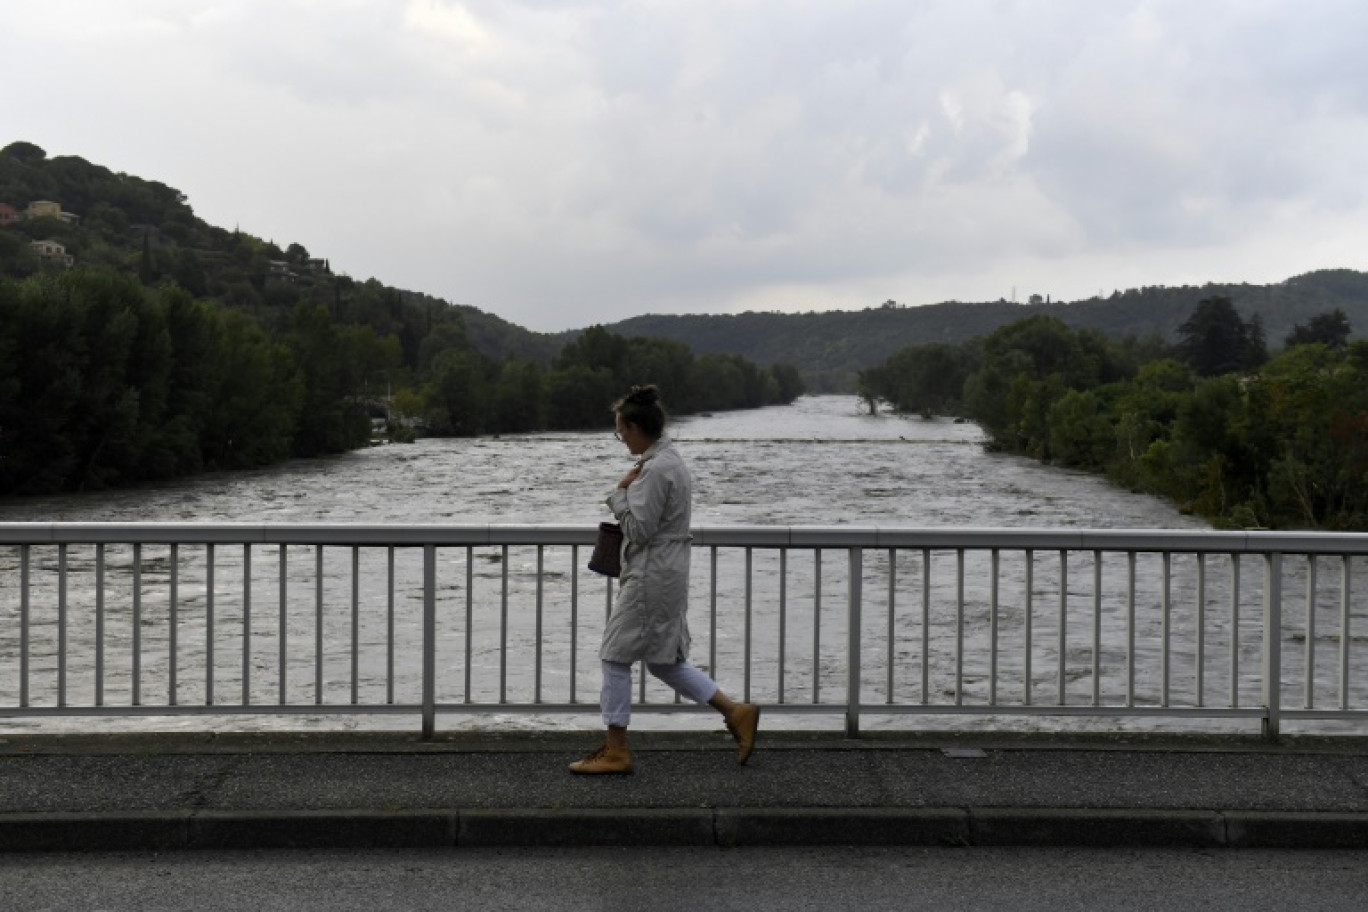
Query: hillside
84 216
835 344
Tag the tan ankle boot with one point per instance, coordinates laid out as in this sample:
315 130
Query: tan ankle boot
743 722
607 759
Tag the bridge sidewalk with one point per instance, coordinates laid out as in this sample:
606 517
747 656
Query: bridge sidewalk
178 791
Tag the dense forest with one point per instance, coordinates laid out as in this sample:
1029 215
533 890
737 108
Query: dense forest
1211 420
138 342
830 348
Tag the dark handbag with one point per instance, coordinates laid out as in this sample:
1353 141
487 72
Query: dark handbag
607 557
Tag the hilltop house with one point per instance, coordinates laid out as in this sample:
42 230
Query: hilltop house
9 215
290 272
49 209
52 250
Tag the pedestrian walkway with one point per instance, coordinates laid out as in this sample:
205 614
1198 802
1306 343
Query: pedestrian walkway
179 791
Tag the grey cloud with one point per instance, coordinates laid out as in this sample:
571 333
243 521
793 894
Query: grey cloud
354 58
692 155
756 146
1210 111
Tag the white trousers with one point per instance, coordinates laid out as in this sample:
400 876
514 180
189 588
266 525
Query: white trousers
616 696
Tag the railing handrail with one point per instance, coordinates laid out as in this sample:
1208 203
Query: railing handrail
1077 616
792 536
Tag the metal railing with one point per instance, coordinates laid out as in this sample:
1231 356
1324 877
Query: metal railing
167 619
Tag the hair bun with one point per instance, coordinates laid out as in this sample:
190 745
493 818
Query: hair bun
644 395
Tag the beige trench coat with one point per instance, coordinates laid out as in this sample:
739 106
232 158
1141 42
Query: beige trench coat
649 620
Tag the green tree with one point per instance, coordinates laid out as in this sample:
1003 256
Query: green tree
188 272
1080 429
1329 329
1216 340
717 383
25 152
457 391
1025 366
444 337
332 419
90 389
1143 411
1317 409
597 348
927 379
1205 464
579 397
788 381
195 377
258 400
664 362
517 399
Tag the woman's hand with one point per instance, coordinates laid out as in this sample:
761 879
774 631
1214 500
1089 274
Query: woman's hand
630 476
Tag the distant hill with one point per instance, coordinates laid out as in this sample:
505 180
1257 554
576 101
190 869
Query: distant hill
499 339
830 346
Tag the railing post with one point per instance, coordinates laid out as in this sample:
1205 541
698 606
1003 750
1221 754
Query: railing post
855 598
429 641
1272 666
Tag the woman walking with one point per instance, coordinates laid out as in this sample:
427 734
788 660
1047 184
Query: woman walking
649 622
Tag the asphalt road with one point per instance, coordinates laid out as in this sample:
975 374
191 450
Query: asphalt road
758 879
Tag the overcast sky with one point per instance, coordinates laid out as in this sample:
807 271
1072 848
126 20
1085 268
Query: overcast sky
568 163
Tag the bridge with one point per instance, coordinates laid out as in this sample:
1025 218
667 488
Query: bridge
1180 689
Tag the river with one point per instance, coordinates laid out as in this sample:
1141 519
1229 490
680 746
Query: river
820 461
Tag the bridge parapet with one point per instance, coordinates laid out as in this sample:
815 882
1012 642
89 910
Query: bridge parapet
881 626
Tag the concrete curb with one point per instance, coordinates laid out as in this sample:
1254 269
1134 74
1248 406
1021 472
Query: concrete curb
588 827
1102 828
721 827
842 826
1292 829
